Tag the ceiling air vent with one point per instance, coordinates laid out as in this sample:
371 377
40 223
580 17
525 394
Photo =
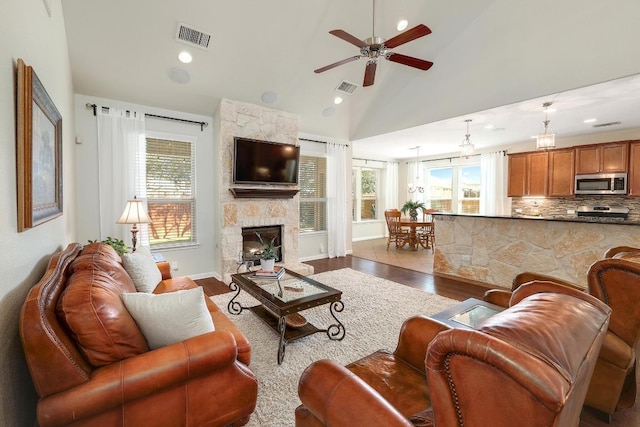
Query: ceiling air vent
601 125
192 36
346 87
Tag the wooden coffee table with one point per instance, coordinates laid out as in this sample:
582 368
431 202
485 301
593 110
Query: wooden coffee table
469 314
282 299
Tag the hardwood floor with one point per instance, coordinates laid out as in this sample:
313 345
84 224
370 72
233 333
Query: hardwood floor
442 286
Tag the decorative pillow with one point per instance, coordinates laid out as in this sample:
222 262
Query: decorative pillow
169 318
142 269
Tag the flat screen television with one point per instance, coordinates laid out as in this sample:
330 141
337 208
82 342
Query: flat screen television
264 162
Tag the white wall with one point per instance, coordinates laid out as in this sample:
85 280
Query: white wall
196 261
28 32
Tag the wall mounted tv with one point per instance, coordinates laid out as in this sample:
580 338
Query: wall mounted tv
264 163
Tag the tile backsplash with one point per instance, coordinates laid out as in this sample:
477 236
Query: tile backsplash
558 207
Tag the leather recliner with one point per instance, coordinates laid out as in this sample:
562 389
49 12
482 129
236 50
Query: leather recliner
198 381
534 358
616 282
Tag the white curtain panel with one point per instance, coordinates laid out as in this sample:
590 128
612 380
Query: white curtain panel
493 184
338 212
391 186
121 170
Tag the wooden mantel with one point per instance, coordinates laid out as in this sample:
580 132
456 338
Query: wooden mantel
263 193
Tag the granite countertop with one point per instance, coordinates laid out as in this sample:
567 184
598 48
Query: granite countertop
567 218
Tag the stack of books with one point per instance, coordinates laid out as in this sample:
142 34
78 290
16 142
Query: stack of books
277 273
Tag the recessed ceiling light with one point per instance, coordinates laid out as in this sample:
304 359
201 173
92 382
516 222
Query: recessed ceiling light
329 111
269 97
337 100
179 75
590 120
402 24
185 57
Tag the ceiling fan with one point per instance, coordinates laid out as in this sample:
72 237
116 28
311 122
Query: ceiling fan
375 48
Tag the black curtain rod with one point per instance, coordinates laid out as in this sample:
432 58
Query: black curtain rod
315 140
504 152
155 116
370 160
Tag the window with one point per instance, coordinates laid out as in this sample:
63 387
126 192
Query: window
313 194
469 190
364 193
454 189
440 189
170 186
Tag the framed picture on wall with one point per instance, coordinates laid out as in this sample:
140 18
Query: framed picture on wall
38 151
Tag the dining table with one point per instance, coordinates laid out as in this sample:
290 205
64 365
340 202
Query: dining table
413 241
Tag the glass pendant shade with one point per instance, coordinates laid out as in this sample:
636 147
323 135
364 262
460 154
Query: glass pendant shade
466 148
546 139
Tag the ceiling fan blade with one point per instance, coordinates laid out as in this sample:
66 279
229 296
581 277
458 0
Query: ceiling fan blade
348 38
416 32
369 73
335 64
410 61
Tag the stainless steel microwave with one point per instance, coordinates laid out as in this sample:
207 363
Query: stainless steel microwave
602 183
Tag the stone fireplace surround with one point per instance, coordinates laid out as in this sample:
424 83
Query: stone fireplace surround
253 121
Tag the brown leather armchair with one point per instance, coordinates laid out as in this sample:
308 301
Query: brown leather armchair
198 381
439 376
616 282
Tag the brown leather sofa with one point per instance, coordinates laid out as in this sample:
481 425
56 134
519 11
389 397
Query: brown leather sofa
616 282
529 365
117 380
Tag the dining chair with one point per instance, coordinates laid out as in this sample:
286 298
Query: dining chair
396 233
427 234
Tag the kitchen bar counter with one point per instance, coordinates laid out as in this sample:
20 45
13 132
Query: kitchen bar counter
493 250
567 218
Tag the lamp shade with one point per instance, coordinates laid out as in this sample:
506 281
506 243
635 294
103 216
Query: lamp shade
545 140
134 213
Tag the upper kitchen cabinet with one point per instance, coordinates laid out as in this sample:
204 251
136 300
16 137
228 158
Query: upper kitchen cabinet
561 172
528 174
602 158
633 183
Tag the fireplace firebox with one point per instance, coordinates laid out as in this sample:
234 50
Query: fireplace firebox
251 248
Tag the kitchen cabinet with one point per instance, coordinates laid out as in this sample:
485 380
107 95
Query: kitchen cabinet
562 172
633 182
602 158
528 174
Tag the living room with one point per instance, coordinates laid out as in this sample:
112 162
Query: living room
35 31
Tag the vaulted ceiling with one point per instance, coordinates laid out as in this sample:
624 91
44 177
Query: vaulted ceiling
496 61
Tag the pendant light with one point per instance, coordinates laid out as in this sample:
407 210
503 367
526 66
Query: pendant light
417 185
546 139
466 148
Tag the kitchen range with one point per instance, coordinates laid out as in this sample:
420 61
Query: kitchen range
604 211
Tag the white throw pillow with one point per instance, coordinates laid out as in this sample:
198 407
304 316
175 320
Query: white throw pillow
142 269
169 318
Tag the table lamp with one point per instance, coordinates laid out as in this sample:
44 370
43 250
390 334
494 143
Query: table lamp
135 214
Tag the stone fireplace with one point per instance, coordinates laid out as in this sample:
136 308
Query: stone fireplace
251 247
253 121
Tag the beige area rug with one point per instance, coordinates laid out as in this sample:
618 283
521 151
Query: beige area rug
374 310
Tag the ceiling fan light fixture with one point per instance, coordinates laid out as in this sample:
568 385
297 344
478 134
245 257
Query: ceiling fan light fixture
466 148
547 139
376 47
